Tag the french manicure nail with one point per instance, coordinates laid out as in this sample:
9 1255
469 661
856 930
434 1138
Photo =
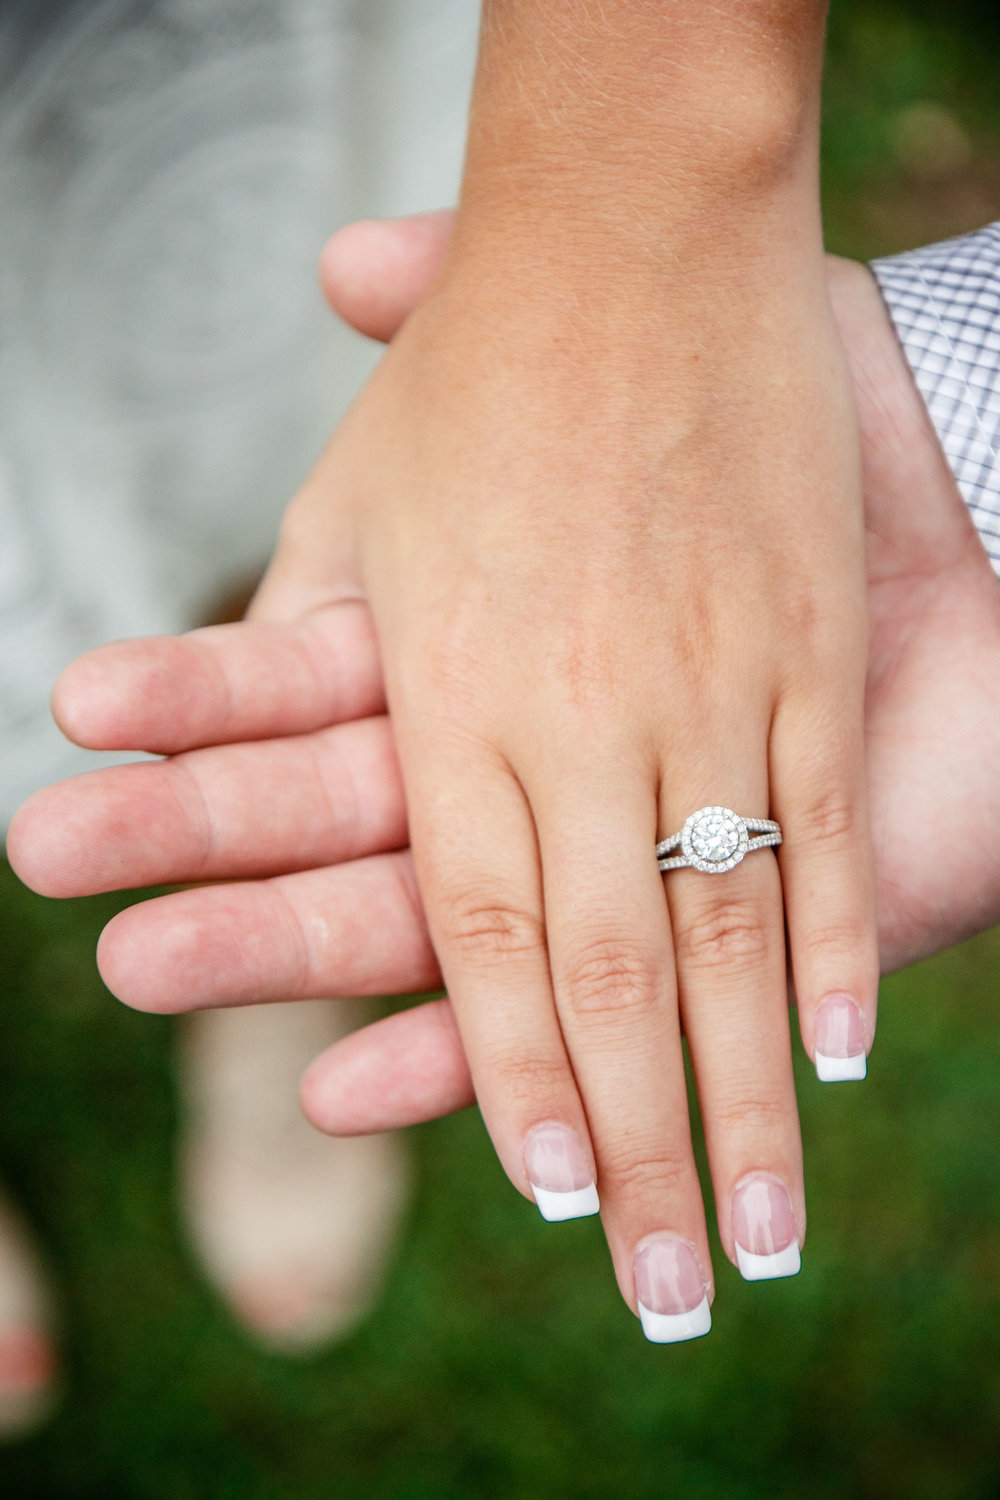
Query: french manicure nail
560 1173
840 1040
767 1244
671 1291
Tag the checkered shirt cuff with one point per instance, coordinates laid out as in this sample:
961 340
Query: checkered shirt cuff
945 303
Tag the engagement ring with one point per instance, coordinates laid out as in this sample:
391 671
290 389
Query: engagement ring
715 839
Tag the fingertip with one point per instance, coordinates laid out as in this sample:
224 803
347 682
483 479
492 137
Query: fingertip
81 697
403 1070
62 703
318 1099
36 847
146 958
841 1039
21 848
116 964
105 699
353 279
374 271
347 251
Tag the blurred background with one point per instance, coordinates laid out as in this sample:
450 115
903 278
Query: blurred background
168 171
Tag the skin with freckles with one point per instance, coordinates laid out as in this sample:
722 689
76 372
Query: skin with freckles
357 926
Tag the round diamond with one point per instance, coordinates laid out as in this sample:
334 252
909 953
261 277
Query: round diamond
715 836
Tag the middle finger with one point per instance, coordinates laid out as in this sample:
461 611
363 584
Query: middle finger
613 978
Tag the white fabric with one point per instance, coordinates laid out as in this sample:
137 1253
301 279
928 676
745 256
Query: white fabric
945 303
168 172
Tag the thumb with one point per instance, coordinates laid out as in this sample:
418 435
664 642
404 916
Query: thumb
374 272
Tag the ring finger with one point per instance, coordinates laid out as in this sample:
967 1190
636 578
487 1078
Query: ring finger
730 952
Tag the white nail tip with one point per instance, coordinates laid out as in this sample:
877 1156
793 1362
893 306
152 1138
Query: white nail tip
785 1262
555 1207
841 1069
673 1328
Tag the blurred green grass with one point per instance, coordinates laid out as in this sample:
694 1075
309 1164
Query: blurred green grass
911 128
501 1362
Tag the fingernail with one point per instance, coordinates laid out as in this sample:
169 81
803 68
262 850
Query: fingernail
767 1244
671 1291
840 1040
560 1173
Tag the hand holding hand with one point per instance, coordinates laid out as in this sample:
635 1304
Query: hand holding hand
294 694
933 650
275 704
601 498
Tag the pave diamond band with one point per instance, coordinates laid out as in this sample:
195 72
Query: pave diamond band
715 839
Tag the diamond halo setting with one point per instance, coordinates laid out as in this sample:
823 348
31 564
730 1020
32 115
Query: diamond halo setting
716 839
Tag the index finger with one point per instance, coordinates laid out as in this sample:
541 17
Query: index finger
251 681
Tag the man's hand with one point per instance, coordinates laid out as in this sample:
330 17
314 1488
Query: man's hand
933 702
298 796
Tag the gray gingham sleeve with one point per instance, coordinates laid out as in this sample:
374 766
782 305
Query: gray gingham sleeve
945 303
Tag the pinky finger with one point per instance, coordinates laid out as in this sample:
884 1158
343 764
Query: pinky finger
403 1070
223 683
828 877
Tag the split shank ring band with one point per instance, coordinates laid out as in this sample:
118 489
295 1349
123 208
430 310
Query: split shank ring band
715 839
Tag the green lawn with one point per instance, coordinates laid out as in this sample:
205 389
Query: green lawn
501 1362
505 1364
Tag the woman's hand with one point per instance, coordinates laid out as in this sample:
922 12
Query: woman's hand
650 581
602 499
275 705
334 794
268 699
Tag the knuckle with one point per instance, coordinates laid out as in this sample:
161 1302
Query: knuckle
486 929
588 678
612 975
457 677
750 1115
817 620
695 641
530 1080
657 1174
830 817
799 612
726 929
837 939
583 675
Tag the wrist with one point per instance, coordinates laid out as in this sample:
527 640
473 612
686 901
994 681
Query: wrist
618 353
650 141
661 104
614 281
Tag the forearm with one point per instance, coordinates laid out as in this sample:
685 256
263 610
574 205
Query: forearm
641 189
611 121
